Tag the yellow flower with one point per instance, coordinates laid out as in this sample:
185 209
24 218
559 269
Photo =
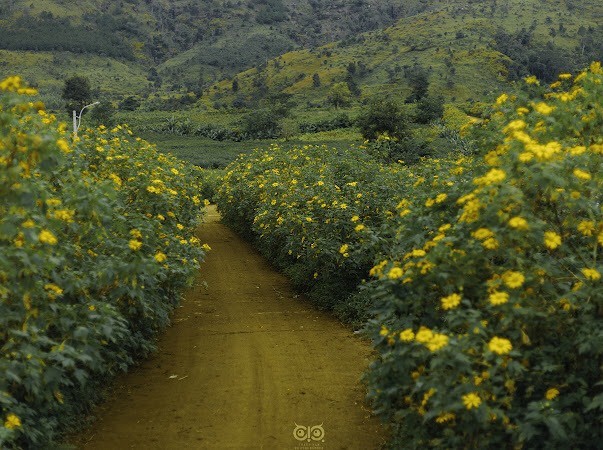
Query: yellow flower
160 257
500 346
206 247
437 342
53 290
551 393
498 298
136 233
451 301
424 335
515 125
586 227
482 233
591 274
471 400
440 198
543 108
445 417
395 273
134 244
565 76
582 175
384 331
552 240
355 219
407 335
12 421
502 99
46 237
532 80
513 279
359 227
490 244
493 176
28 224
519 223
344 249
65 215
63 146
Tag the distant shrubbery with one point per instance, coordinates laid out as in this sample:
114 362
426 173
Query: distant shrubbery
337 122
47 33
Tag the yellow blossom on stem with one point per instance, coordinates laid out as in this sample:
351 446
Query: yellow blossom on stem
513 279
552 240
551 394
437 342
471 400
591 274
498 298
46 237
407 335
582 174
395 273
160 257
134 244
500 346
451 301
586 227
519 223
12 421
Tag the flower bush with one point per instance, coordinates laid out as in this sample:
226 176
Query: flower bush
96 244
488 328
319 213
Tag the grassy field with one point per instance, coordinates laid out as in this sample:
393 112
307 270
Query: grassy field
206 153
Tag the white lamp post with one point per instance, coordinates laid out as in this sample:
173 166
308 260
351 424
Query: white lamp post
77 119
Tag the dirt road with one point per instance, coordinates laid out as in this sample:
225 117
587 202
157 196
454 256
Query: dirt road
244 366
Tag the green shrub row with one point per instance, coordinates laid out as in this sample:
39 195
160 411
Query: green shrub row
486 296
96 244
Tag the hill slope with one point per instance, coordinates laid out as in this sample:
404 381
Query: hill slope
469 49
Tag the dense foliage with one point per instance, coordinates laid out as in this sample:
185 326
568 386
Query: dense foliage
489 327
96 243
486 292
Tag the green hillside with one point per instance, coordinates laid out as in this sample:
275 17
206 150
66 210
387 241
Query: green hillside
469 49
179 44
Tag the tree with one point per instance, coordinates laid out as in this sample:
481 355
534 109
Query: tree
382 116
76 93
129 103
102 114
235 85
262 124
316 80
339 95
418 77
429 108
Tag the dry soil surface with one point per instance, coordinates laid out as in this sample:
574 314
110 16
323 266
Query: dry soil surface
245 365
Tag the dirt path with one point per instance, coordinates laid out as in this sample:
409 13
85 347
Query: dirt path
244 362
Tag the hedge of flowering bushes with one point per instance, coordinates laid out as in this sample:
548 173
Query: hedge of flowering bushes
489 330
96 244
485 285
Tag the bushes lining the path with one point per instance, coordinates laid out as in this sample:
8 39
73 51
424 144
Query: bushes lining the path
486 295
96 244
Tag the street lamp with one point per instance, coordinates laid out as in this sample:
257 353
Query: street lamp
77 119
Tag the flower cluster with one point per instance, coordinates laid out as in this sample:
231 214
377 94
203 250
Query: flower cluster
513 282
88 270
